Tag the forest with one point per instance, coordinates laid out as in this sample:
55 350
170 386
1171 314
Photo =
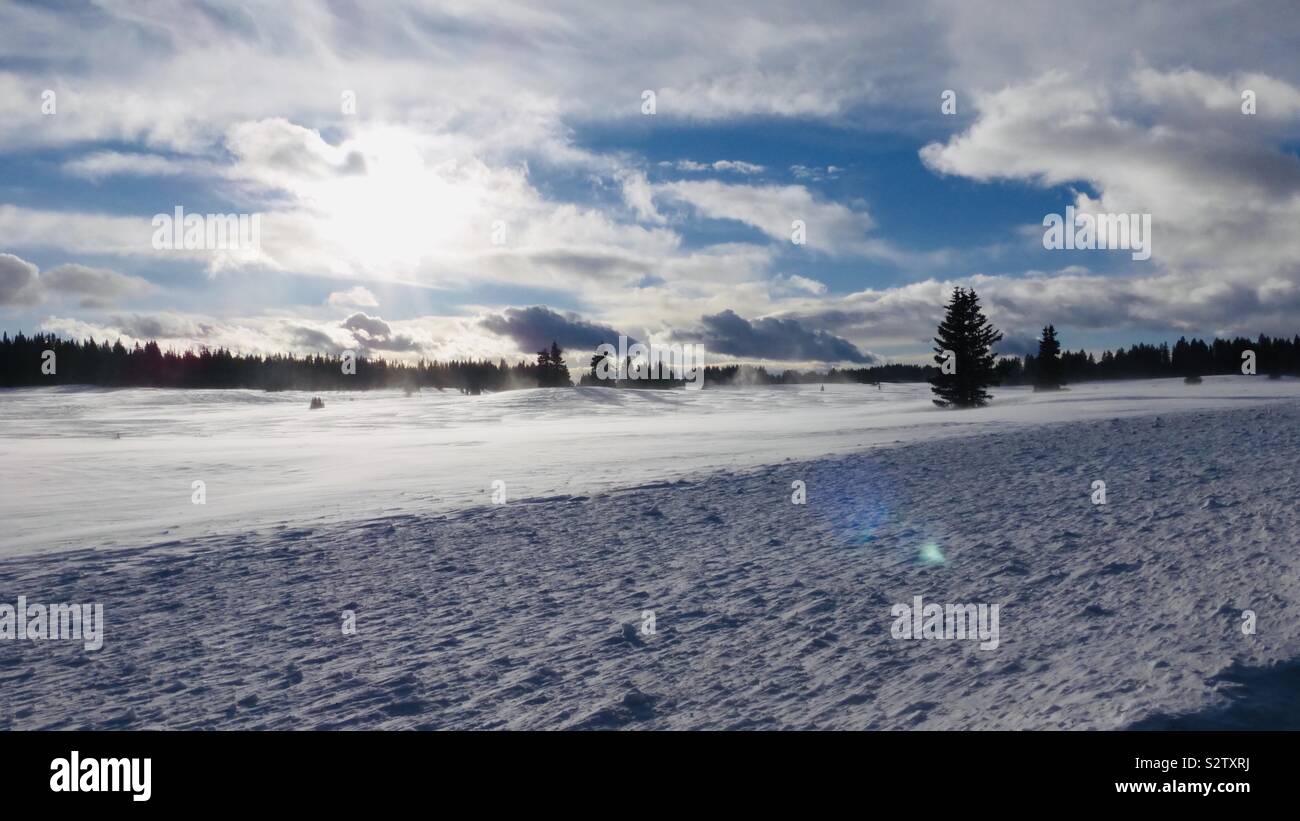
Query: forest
24 362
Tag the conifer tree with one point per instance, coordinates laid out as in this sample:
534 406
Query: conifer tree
1050 367
551 370
596 360
967 336
545 368
559 369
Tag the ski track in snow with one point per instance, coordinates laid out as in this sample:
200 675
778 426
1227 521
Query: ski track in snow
768 614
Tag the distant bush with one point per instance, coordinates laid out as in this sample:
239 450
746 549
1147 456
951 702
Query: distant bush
1192 380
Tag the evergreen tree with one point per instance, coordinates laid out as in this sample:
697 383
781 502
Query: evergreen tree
1050 367
967 334
596 360
561 370
551 370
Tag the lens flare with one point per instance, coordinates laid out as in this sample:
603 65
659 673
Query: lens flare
931 554
867 517
868 510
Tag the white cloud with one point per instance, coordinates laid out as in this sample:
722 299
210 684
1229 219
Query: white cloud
1223 199
795 283
355 297
736 166
831 227
1146 114
102 164
639 196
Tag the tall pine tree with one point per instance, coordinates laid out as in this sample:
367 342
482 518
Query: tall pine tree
562 378
1050 366
966 333
551 370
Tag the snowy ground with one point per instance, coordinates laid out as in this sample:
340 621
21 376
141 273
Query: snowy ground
94 468
768 614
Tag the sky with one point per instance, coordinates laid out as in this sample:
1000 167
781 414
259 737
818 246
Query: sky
476 179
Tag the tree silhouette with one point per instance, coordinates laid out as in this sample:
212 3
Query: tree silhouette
596 360
1050 371
93 363
551 370
966 335
113 365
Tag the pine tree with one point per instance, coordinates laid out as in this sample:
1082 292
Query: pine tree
596 361
551 370
560 370
967 334
1050 367
544 368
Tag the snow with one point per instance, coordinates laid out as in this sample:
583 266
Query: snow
97 468
768 614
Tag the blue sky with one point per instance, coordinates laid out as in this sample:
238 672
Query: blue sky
379 224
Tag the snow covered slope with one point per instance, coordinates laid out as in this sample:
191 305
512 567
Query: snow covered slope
96 468
768 614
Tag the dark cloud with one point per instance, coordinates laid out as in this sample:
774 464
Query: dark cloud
1017 345
601 266
393 343
536 327
772 338
313 340
370 327
159 326
372 333
17 281
20 284
92 287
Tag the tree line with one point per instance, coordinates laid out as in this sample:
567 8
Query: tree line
965 331
965 365
24 362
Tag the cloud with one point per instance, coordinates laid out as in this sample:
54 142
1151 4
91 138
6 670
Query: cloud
794 283
102 164
773 338
831 227
639 196
1016 345
314 339
440 337
159 326
355 297
22 284
735 166
373 333
570 62
537 327
409 190
368 326
92 287
1223 198
279 153
17 281
816 174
